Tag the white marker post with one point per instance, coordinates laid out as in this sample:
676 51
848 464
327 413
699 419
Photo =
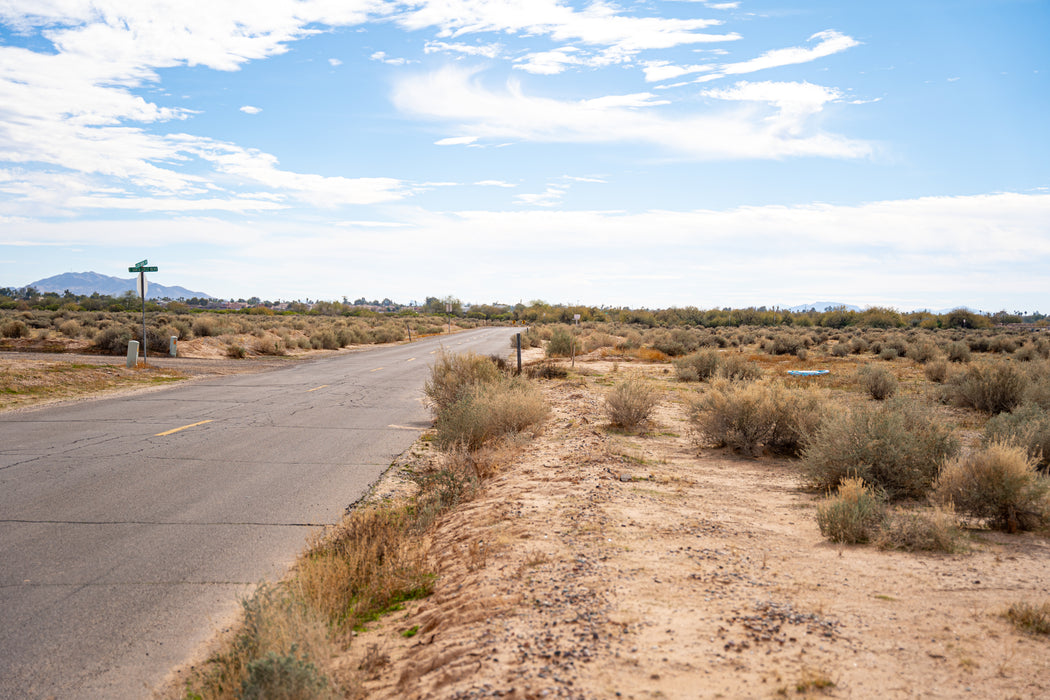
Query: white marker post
142 268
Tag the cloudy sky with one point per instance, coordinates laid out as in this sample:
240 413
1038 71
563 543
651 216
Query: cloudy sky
639 153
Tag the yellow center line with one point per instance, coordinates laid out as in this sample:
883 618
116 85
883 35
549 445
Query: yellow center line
411 359
376 369
175 430
316 388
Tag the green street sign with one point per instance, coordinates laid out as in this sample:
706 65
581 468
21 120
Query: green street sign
143 268
142 263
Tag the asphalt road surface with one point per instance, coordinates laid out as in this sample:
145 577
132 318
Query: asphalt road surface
130 526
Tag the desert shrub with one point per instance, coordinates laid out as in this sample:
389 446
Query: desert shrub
923 352
490 411
858 345
896 446
698 367
738 418
935 530
1002 344
746 418
1029 617
993 387
236 351
285 677
707 364
1037 390
1027 426
562 343
594 341
15 329
795 415
70 329
853 514
936 371
999 484
958 351
114 340
324 340
205 326
390 333
802 354
271 345
630 404
736 368
839 349
879 382
1026 353
888 354
455 375
546 370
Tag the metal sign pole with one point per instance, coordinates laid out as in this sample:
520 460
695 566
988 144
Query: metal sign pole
142 286
142 268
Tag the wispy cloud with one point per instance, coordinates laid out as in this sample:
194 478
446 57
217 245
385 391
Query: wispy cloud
248 109
456 96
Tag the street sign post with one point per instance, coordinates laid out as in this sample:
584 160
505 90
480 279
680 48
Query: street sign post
142 267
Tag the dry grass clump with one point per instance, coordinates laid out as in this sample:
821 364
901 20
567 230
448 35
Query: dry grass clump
896 447
630 404
369 562
562 343
853 514
1027 426
1030 617
709 363
958 351
936 371
278 652
934 530
489 411
999 484
992 387
879 382
455 375
747 418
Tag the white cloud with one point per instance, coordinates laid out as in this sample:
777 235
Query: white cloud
548 198
456 141
494 183
830 42
656 71
600 23
383 58
484 50
334 62
455 96
73 109
796 101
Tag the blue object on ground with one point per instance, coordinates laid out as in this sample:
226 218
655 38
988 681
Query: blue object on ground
807 372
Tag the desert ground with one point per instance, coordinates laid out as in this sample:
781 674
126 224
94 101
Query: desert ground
603 564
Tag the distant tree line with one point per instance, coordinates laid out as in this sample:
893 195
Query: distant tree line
537 311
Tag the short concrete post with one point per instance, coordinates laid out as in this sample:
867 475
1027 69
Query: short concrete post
133 353
172 349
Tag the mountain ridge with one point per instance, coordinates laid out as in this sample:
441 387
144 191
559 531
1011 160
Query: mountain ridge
91 282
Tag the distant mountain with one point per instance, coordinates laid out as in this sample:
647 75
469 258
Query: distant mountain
91 282
824 306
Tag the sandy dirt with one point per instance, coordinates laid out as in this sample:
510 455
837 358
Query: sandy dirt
599 564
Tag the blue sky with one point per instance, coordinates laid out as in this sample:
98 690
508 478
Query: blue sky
687 152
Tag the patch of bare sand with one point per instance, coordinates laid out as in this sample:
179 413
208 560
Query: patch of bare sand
603 565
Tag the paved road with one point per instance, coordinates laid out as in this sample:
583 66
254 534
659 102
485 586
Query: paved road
130 526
